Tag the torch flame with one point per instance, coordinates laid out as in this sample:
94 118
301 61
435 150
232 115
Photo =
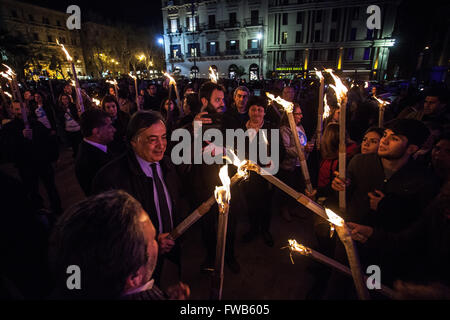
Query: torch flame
288 106
297 247
134 77
213 75
381 103
72 82
113 82
319 74
334 218
96 101
326 108
339 88
171 80
240 164
6 76
222 193
68 57
366 84
10 71
8 94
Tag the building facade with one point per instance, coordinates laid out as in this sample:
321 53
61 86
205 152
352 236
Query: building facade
39 28
278 38
228 35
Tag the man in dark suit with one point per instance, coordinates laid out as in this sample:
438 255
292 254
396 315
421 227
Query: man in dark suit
98 131
149 176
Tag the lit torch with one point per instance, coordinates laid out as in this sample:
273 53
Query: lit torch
247 165
295 247
135 89
174 83
222 195
353 259
10 75
382 105
326 112
320 109
80 104
241 174
341 95
96 101
213 75
289 108
116 88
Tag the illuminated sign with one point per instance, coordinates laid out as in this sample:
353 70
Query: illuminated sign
289 69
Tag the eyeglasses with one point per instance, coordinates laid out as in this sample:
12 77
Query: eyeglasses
152 140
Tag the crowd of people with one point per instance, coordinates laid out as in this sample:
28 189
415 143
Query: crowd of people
397 184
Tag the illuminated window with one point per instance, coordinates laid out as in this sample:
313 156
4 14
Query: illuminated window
284 37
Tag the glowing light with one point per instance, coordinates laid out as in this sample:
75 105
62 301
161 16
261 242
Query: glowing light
134 77
288 106
222 193
326 108
339 88
334 218
171 80
96 101
381 103
213 75
68 57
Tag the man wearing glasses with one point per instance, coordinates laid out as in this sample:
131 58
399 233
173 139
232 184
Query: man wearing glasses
149 176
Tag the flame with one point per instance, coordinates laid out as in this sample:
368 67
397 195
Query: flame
240 164
326 108
213 75
8 94
222 193
381 103
96 101
319 74
288 106
366 84
113 82
10 71
297 247
72 82
171 80
134 77
6 76
334 218
68 57
339 88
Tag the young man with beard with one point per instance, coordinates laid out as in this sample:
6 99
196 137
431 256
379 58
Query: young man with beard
205 177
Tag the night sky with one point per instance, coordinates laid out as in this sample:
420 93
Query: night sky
142 13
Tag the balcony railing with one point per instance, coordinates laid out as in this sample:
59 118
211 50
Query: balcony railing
193 29
207 26
212 54
253 51
231 24
178 57
189 55
253 22
232 52
178 30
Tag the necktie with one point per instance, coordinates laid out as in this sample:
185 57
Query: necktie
162 200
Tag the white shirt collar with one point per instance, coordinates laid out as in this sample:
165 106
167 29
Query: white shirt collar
97 145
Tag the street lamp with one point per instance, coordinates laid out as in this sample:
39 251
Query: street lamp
259 36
